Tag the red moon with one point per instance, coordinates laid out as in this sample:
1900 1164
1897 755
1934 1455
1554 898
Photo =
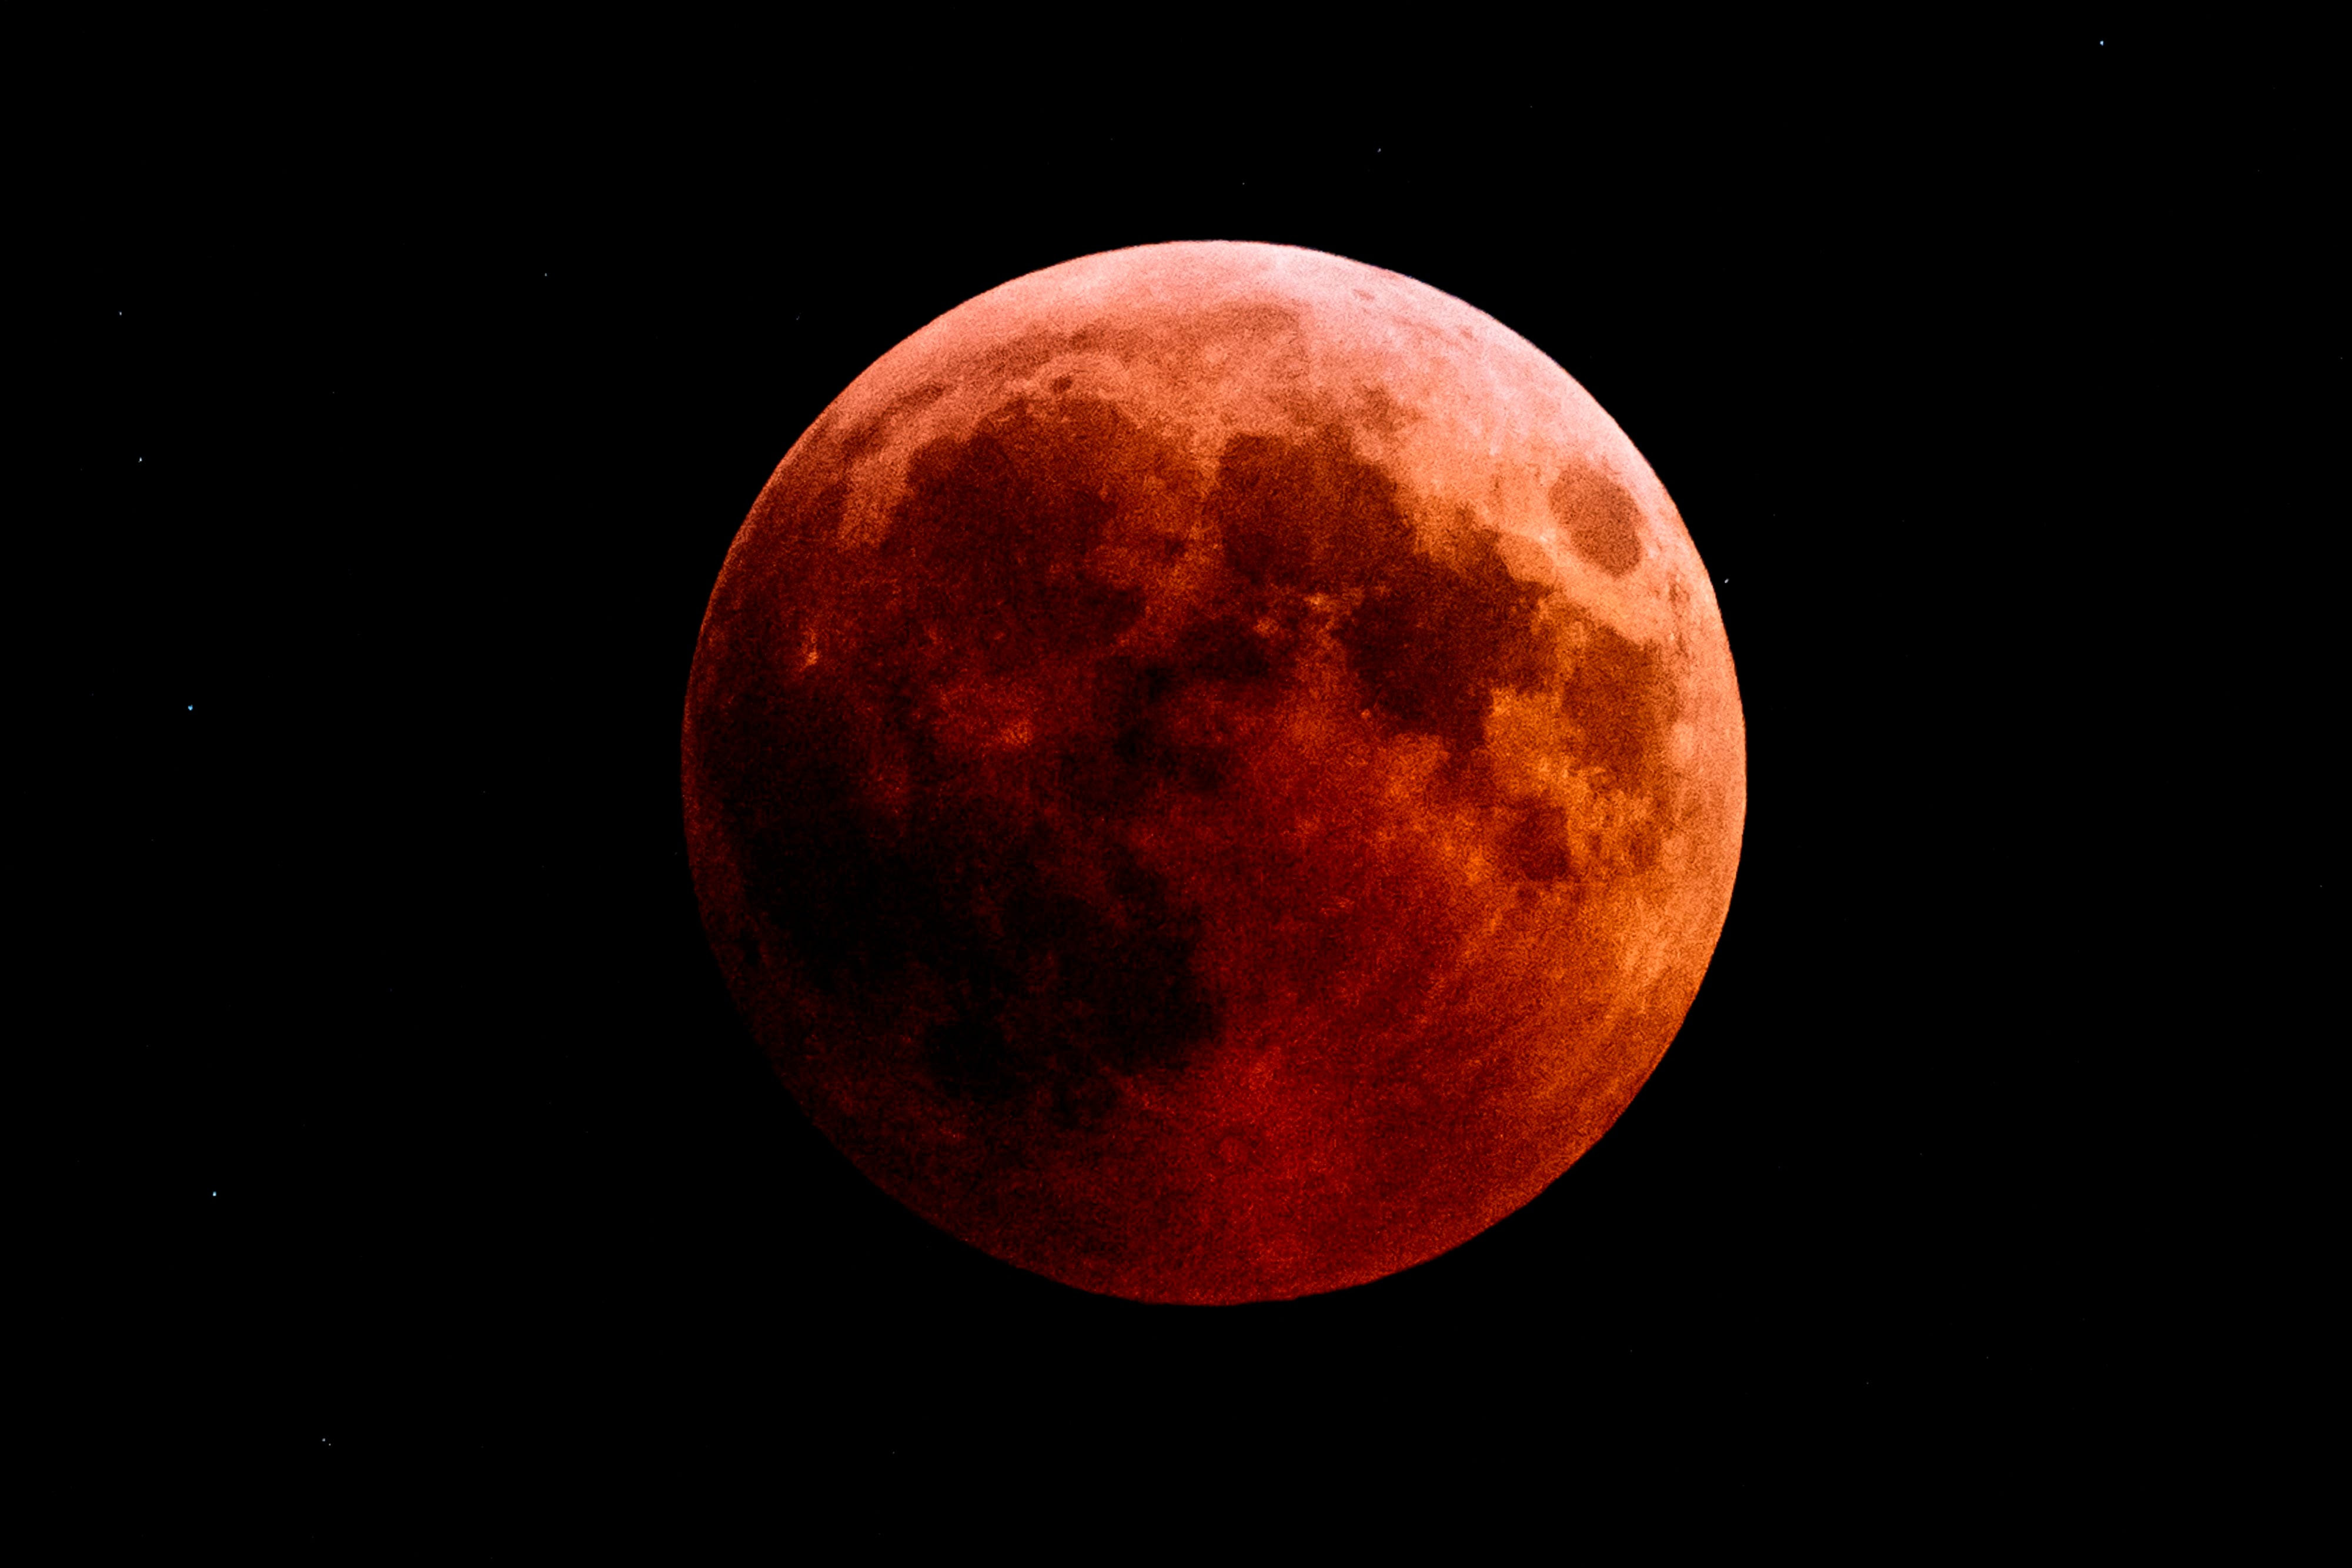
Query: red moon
1214 771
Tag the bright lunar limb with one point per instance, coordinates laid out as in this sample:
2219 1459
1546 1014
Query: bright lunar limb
1214 771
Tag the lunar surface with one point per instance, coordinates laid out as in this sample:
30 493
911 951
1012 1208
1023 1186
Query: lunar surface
1214 771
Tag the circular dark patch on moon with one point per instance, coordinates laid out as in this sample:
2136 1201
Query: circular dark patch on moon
1603 523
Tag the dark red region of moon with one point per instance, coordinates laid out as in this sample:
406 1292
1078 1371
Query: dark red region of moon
1213 772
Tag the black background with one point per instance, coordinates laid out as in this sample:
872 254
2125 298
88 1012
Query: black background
416 1149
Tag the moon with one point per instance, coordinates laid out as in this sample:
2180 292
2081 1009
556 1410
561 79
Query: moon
1213 772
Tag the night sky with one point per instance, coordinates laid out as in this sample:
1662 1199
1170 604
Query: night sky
413 1148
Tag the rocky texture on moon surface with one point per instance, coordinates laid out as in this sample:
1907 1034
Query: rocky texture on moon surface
1214 771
